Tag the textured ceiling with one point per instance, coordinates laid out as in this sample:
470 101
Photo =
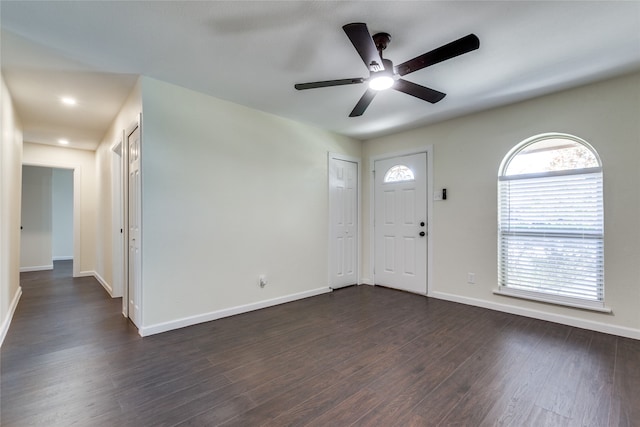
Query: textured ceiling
252 53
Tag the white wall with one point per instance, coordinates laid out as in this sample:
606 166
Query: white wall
229 193
467 154
62 214
10 199
36 219
105 221
84 166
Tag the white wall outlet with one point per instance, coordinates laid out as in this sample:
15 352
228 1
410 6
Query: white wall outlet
471 278
262 281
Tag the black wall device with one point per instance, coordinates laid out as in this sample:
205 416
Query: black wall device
444 194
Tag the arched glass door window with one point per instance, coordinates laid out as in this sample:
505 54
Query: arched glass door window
550 221
398 173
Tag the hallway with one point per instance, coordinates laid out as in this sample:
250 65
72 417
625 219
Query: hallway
61 348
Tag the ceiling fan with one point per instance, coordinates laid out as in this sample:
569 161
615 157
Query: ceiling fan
382 73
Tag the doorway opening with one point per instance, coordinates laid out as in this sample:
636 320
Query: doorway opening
49 227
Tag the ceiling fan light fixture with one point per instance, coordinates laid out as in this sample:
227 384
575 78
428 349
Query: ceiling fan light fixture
386 76
381 82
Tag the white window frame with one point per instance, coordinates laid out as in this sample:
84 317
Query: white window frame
507 289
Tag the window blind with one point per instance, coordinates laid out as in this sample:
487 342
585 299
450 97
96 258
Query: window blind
551 234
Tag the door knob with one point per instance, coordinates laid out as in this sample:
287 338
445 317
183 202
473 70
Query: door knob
422 224
422 233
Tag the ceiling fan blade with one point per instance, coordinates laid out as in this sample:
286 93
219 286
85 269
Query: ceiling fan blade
448 51
363 103
362 41
425 93
328 83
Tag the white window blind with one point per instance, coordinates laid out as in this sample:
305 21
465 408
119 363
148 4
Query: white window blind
551 235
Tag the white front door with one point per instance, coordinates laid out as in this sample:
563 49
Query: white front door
401 223
343 206
134 220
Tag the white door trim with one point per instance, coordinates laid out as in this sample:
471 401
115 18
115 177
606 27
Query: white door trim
372 162
117 232
337 156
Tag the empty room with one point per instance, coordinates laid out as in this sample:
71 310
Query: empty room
331 213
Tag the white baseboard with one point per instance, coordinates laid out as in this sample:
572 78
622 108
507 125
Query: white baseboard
63 258
36 268
85 274
6 322
366 281
107 287
207 317
541 315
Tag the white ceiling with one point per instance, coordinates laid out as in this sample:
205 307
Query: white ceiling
252 53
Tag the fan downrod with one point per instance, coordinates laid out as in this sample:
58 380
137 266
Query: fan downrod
381 40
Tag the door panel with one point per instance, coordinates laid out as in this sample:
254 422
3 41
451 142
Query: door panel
400 212
134 222
343 206
389 254
410 256
409 208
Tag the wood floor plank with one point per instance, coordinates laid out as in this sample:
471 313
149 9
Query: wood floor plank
361 356
514 406
281 401
131 398
559 390
541 417
446 350
338 392
448 394
518 341
349 410
625 404
595 390
215 415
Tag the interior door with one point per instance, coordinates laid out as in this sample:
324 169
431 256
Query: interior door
343 202
134 220
400 223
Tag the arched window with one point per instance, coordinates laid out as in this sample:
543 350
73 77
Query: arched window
398 173
550 222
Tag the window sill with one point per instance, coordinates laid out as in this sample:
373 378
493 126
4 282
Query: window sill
531 296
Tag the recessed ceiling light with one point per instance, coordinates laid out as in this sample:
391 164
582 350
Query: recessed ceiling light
67 100
63 141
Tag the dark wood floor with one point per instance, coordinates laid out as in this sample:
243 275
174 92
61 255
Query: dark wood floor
360 356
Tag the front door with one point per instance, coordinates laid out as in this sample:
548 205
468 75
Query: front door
343 202
401 223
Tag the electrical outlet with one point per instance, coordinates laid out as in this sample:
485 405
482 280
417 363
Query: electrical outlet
262 281
471 278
